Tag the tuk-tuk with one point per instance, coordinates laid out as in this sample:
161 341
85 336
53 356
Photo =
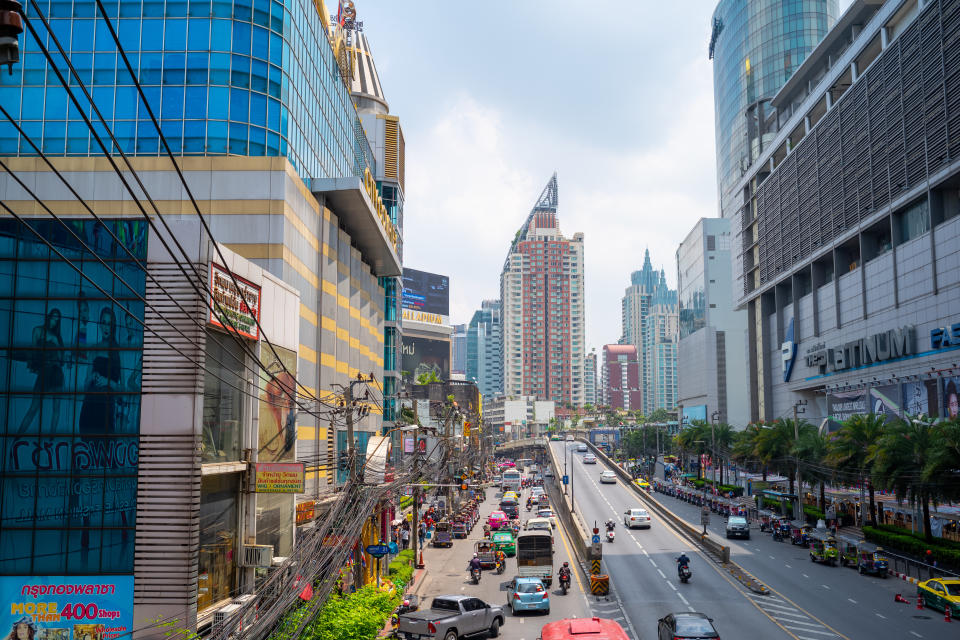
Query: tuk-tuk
823 548
781 529
459 529
544 501
870 559
486 552
766 519
847 548
800 534
442 534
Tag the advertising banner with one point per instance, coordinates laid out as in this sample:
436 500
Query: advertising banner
920 398
66 607
232 308
426 293
277 422
278 477
951 397
842 405
423 356
696 412
885 400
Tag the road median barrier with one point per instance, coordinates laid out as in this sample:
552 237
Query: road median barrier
568 519
716 551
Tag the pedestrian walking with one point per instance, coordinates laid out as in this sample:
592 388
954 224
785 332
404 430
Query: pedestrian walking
405 537
422 534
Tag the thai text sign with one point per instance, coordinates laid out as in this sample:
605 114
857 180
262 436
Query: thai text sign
233 307
67 607
305 511
278 477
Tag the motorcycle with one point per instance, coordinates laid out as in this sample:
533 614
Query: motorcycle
410 603
565 583
685 573
611 534
501 566
475 575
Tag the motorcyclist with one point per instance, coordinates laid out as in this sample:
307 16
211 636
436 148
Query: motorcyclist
611 524
565 572
501 557
682 561
475 563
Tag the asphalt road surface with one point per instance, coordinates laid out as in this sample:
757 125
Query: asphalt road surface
642 567
447 574
853 605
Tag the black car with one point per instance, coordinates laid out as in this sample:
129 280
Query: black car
686 625
510 508
737 526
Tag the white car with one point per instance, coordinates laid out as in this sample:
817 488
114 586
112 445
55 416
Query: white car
569 438
608 477
581 448
539 523
537 491
549 515
636 518
589 459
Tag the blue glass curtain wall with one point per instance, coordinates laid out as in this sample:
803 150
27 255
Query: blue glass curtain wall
69 398
245 77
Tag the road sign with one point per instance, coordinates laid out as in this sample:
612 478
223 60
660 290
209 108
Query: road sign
566 479
595 539
378 550
705 517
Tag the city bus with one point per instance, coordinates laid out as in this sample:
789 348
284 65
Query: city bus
510 480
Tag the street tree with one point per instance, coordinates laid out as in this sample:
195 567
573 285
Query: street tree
852 448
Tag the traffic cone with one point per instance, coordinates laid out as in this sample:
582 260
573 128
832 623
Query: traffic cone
919 601
420 560
946 613
900 598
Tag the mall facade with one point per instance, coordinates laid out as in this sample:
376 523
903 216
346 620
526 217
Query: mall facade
137 420
849 223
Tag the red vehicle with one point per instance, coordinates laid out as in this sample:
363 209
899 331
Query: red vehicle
583 629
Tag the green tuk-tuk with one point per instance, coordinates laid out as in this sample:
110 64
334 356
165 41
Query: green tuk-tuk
823 548
871 559
848 551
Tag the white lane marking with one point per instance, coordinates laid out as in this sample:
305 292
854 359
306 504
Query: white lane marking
689 608
644 551
825 587
662 574
852 600
781 606
651 561
680 595
522 620
463 588
880 615
822 633
916 634
792 615
788 566
809 624
670 584
772 558
805 575
807 638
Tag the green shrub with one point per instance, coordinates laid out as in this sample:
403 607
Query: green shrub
360 616
405 501
400 570
812 512
913 544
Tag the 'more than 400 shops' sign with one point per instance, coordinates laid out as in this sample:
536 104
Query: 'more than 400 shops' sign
879 347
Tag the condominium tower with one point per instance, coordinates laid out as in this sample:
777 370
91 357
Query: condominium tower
485 349
541 287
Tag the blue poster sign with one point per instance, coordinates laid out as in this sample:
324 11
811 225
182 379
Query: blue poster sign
595 539
566 479
378 550
66 607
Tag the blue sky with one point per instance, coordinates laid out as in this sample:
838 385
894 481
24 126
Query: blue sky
617 97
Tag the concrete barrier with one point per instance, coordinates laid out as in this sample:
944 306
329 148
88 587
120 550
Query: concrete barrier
568 517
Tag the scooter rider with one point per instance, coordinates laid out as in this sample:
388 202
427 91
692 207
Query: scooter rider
611 524
682 561
564 574
475 563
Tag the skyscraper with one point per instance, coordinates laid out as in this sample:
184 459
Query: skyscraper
620 377
660 349
485 349
590 378
458 350
756 45
541 287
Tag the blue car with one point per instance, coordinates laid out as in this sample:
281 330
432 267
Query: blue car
527 594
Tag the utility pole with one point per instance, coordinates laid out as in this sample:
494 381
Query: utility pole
415 537
354 476
798 407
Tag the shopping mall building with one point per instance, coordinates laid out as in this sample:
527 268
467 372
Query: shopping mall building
849 253
155 368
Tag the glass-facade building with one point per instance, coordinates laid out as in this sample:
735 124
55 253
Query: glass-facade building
224 77
756 45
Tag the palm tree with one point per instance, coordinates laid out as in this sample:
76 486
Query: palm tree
744 447
851 449
902 457
944 465
811 449
774 446
722 434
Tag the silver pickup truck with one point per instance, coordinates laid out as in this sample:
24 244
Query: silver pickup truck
451 618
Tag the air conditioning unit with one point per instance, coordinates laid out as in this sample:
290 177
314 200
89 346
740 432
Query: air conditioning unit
251 614
257 555
224 616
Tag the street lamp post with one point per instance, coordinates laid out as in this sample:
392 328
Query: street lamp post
713 446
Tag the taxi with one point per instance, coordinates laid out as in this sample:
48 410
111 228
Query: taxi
511 495
940 592
643 484
498 519
508 465
504 541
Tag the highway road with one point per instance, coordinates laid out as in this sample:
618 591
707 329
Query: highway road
447 574
642 567
856 606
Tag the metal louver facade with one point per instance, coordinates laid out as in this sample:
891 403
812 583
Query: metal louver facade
894 129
